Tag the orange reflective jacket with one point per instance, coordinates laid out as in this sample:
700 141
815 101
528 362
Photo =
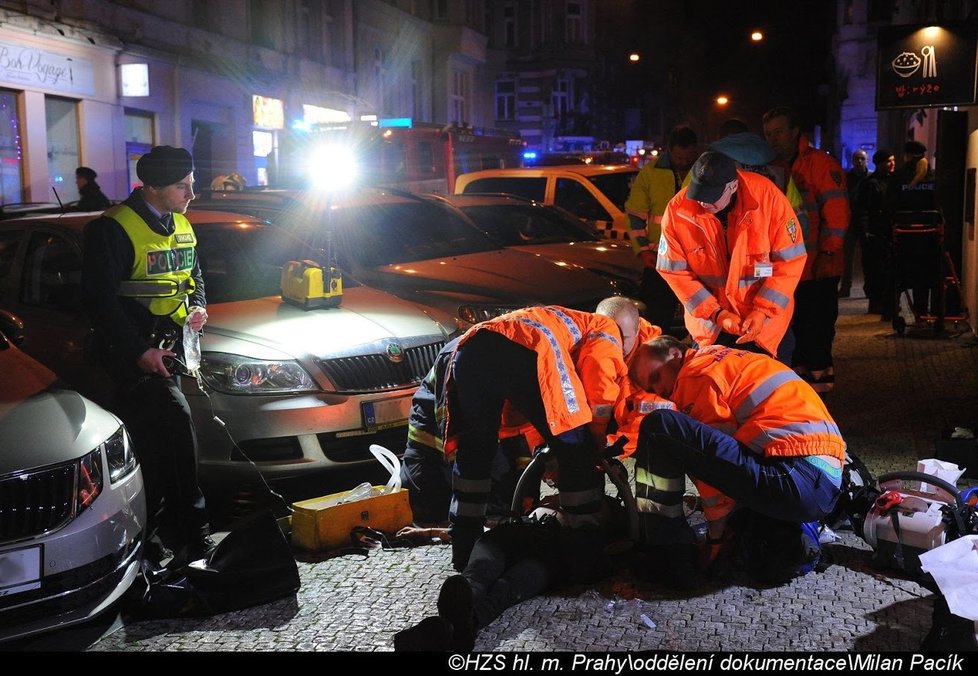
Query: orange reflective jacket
822 183
580 365
635 403
754 265
758 400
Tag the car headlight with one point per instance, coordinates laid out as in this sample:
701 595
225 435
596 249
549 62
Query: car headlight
473 314
119 453
234 374
89 483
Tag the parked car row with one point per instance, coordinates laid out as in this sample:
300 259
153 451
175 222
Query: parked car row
285 393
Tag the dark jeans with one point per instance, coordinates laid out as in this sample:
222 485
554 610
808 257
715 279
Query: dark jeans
157 416
816 309
880 285
673 444
661 302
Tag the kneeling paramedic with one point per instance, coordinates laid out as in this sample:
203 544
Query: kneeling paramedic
748 429
561 369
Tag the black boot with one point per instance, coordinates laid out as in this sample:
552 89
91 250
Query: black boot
432 634
455 605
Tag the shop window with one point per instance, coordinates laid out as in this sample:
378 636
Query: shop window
11 159
139 127
63 157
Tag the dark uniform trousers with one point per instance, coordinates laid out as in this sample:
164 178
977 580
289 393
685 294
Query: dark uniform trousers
158 418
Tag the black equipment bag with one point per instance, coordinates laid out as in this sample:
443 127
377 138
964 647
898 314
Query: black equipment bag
251 566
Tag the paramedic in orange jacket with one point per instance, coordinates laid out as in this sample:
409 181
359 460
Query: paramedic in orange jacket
561 369
822 183
633 403
745 424
733 252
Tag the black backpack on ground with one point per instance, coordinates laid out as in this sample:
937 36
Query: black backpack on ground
251 566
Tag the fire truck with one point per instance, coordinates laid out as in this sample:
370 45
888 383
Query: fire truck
421 157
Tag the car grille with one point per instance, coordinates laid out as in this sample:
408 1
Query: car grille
376 372
36 502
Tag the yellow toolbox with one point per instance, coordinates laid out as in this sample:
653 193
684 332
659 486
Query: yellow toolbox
321 524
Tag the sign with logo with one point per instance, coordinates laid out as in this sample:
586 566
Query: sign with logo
268 113
926 66
31 67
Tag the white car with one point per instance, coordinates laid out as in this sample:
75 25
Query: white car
72 504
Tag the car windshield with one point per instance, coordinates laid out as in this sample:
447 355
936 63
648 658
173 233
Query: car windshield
520 224
243 261
374 235
615 186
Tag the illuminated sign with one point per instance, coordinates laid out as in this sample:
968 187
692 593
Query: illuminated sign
926 66
318 115
135 79
396 122
268 113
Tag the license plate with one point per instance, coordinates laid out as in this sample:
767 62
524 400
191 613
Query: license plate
20 570
385 413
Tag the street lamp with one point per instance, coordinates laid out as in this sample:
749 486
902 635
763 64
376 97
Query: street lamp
722 100
634 57
756 36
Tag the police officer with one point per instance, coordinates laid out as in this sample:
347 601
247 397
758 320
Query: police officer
141 283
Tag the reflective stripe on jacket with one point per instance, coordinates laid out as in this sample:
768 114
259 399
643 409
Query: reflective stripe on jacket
759 401
161 276
822 185
635 403
709 268
654 186
580 364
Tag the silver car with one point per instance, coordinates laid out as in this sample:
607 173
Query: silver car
72 506
284 393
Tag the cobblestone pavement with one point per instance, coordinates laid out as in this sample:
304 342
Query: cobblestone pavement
894 395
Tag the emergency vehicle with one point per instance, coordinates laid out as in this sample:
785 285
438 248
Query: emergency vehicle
420 157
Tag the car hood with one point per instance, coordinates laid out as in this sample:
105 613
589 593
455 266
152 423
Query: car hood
269 328
501 274
605 258
53 427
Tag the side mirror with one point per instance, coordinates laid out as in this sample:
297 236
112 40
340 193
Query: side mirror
12 327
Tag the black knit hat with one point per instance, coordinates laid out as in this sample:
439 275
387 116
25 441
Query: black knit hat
164 165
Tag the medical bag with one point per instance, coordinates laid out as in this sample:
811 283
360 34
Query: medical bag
914 513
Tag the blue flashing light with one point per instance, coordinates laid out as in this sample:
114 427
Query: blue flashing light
530 155
396 122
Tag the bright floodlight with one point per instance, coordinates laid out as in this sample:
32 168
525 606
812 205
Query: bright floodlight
332 167
757 36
